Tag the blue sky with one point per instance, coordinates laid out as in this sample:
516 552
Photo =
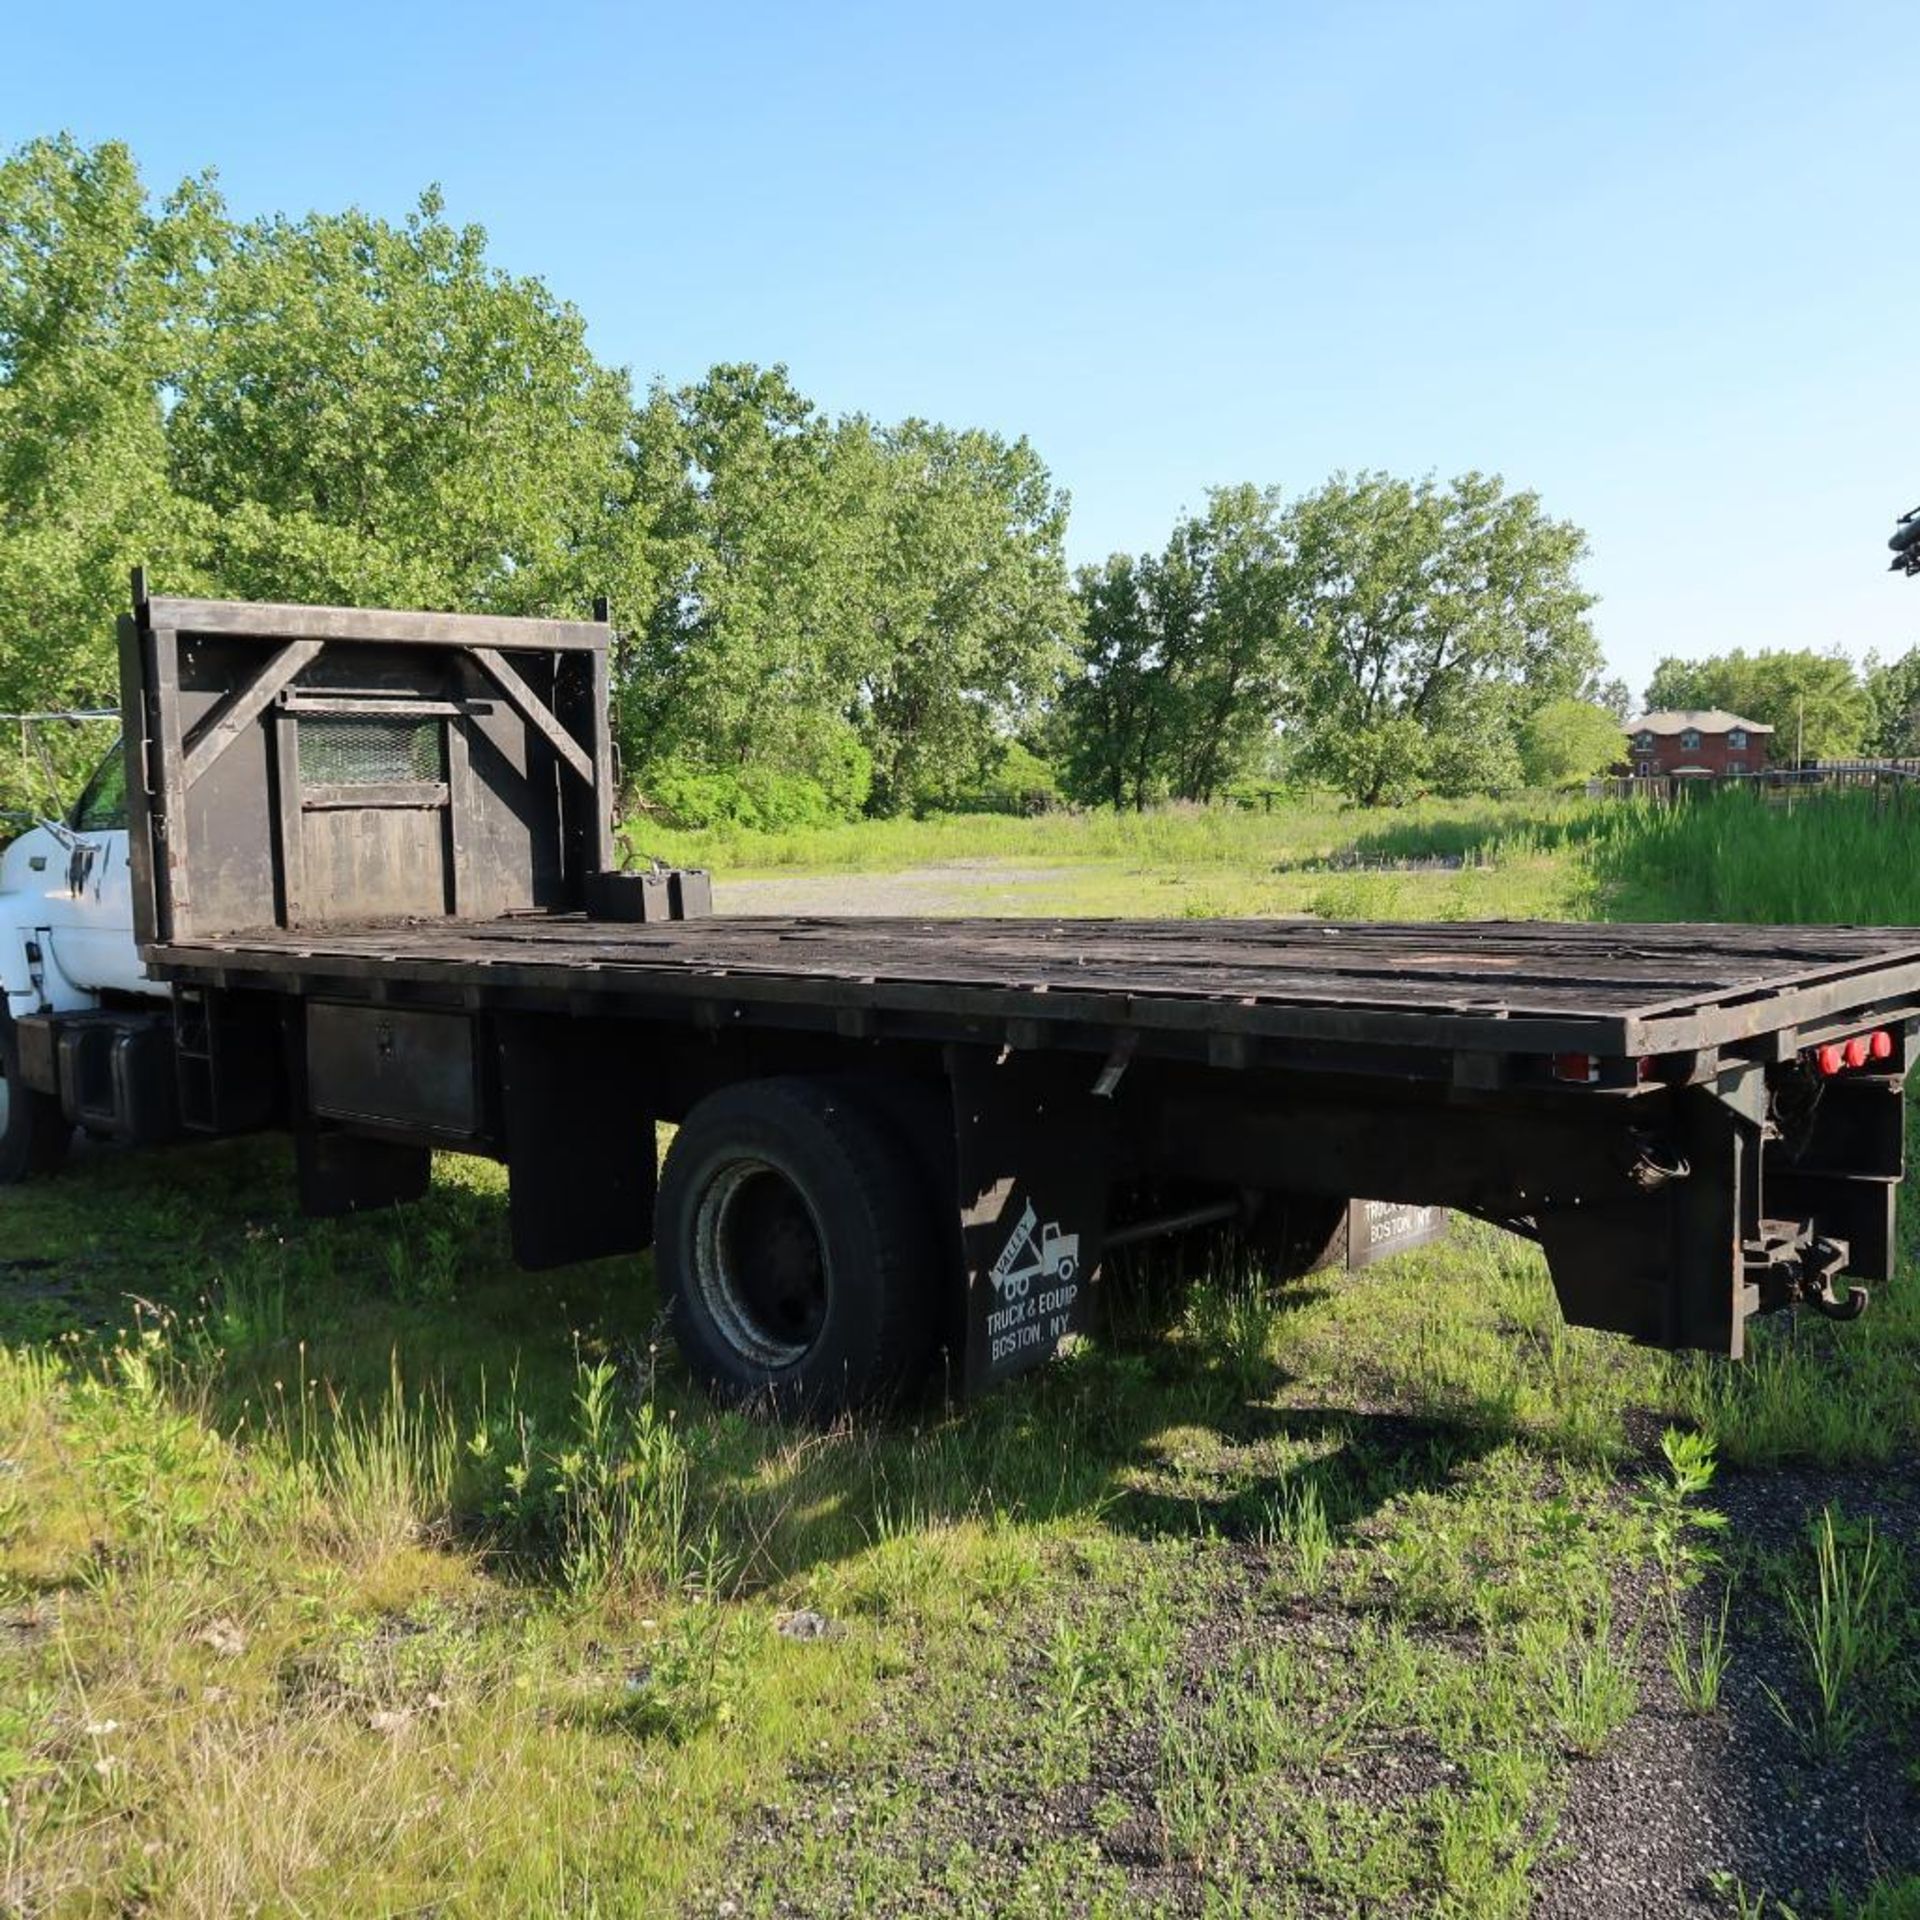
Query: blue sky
1658 263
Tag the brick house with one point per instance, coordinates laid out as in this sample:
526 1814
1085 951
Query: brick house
1704 741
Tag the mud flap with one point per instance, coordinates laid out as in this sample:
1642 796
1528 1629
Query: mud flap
579 1138
1665 1266
1033 1165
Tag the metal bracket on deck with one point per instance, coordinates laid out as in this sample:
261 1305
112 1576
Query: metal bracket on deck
1115 1070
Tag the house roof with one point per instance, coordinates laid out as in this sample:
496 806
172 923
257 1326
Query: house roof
1700 719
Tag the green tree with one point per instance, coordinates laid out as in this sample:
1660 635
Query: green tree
1813 701
1567 741
760 528
1234 581
380 417
966 597
100 294
1185 657
1116 712
1893 701
1433 619
873 611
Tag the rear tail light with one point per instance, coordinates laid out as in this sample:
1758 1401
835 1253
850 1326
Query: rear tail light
1581 1068
1839 1055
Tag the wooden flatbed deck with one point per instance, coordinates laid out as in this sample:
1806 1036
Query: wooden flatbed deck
1512 985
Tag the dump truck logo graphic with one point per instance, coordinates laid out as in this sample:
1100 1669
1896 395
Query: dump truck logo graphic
1034 1252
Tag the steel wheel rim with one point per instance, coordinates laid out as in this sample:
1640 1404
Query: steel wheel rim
760 1264
6 1098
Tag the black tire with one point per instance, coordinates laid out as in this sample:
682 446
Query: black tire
795 1248
1293 1234
34 1133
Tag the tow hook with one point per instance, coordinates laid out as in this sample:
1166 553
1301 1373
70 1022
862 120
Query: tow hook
1820 1267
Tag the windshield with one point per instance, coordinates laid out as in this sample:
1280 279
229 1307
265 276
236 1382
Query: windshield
103 807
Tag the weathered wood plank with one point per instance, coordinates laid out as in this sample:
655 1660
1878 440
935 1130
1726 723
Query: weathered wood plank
291 621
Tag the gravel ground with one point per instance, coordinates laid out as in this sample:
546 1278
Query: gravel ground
1675 1797
954 887
1662 1823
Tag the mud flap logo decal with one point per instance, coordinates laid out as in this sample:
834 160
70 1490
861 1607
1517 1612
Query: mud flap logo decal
1036 1281
1034 1252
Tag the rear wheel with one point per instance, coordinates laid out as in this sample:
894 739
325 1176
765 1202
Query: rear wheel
1292 1234
34 1133
795 1248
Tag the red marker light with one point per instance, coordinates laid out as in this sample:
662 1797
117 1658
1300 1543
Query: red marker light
1881 1045
1858 1048
1830 1059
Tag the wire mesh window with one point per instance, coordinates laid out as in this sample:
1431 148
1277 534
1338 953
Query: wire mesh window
360 750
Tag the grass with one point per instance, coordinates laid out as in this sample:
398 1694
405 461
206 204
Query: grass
1216 836
1459 860
1839 859
344 1569
1843 1625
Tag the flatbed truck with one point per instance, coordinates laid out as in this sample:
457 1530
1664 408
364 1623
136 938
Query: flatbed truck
375 902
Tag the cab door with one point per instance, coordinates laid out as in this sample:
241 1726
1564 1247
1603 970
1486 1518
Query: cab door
88 912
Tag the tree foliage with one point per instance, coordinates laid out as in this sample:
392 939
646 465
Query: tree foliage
100 300
1567 741
339 408
823 615
1436 618
967 611
871 610
1893 703
746 652
1184 657
379 417
1394 634
1813 701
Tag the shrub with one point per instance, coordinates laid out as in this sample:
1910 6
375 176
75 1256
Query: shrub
755 798
1021 782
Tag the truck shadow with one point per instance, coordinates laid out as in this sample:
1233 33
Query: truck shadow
1151 1436
1158 1426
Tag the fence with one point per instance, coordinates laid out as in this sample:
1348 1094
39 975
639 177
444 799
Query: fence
1823 776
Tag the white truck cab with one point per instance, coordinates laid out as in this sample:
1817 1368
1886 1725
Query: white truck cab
66 906
66 946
